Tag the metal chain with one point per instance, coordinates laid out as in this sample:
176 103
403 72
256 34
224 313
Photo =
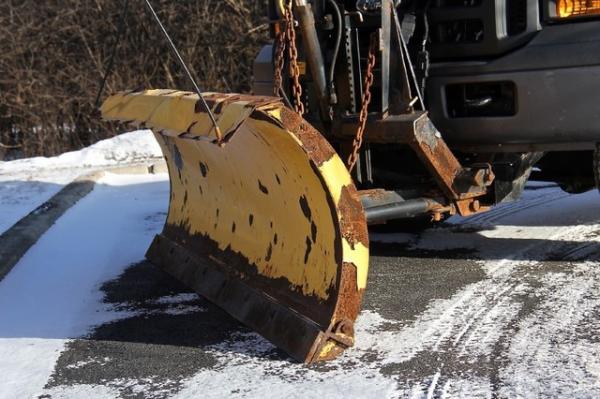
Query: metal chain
293 54
366 100
279 61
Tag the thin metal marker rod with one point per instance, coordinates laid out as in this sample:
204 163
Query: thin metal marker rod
111 61
286 99
410 65
186 70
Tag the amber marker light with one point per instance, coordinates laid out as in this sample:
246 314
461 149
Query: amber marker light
577 8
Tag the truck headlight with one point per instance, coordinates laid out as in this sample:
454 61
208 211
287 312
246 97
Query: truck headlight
576 8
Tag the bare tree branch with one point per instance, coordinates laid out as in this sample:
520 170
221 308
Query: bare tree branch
54 54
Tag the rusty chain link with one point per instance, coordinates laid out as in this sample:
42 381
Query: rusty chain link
279 61
287 38
366 100
293 53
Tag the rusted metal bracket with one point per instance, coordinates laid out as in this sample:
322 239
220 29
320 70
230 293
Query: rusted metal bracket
455 181
459 184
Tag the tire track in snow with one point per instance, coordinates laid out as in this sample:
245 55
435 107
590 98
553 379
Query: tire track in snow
493 306
533 200
550 338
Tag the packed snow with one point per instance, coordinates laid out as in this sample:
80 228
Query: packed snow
52 294
27 183
527 328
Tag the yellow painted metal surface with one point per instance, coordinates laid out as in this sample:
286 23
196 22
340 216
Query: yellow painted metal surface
336 175
259 195
248 200
172 112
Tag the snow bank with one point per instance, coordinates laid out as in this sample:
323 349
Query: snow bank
27 183
126 148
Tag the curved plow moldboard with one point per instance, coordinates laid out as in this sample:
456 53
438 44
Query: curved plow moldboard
267 224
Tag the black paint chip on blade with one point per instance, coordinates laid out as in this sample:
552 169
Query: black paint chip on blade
264 117
262 188
189 129
308 249
203 169
219 108
177 157
269 252
200 108
305 207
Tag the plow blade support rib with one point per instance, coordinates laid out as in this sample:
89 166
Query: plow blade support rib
266 224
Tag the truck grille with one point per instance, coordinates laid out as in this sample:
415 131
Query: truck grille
462 31
457 3
516 18
477 28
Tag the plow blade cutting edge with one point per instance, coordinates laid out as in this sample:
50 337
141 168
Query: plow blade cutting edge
266 224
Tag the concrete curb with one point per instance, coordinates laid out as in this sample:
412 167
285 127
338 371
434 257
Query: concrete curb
17 240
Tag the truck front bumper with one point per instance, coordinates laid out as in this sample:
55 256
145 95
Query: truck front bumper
553 83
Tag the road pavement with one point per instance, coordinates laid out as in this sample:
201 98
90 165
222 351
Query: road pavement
503 304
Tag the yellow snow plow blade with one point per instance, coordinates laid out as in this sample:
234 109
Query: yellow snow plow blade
267 224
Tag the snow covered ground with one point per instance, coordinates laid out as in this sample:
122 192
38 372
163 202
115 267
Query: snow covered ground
26 183
502 304
52 294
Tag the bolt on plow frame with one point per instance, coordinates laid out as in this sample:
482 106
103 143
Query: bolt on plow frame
265 218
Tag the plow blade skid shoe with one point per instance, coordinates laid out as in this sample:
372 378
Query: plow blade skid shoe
266 223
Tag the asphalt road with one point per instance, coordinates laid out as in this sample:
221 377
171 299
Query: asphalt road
504 304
